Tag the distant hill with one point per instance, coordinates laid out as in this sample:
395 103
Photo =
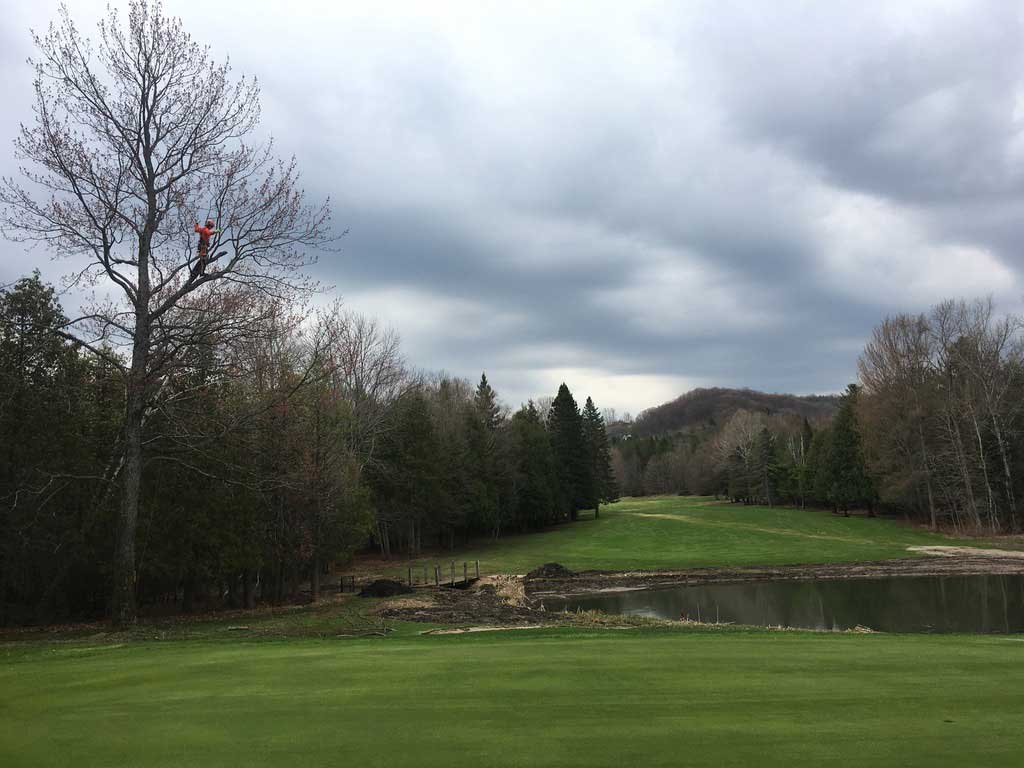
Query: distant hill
703 408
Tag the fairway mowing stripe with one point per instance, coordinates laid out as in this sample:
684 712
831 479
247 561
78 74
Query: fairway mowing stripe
749 527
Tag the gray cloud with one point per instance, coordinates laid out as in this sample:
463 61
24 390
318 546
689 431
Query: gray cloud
637 198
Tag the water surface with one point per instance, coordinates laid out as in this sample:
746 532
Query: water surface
976 604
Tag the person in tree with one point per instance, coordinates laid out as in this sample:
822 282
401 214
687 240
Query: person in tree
203 249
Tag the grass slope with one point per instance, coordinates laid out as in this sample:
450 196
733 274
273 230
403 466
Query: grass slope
540 698
681 532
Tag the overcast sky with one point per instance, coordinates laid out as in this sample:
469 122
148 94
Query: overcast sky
636 198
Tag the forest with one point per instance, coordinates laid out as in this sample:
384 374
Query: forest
932 430
267 460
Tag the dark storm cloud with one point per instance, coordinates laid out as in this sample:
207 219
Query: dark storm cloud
633 197
920 104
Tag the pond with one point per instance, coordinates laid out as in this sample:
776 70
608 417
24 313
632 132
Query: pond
976 604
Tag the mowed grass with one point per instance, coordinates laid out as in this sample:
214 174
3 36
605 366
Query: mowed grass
683 532
200 693
540 698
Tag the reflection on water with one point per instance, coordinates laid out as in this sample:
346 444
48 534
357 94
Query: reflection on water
981 604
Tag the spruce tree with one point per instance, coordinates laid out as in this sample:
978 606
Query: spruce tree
850 482
601 486
820 467
536 476
486 401
57 431
489 473
565 427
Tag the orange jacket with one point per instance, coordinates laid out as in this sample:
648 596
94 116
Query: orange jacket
204 233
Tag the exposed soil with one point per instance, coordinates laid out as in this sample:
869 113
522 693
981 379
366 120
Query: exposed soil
491 602
550 571
385 588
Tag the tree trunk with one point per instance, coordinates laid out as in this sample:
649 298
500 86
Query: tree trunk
927 478
248 595
1007 474
279 582
968 487
124 608
315 580
983 463
188 594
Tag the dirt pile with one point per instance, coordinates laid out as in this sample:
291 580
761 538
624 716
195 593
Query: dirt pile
550 571
484 605
385 588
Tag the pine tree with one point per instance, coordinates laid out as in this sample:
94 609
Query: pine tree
487 462
820 467
601 485
486 401
850 482
565 427
536 477
58 430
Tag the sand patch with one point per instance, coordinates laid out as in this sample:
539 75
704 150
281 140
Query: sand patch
939 551
465 630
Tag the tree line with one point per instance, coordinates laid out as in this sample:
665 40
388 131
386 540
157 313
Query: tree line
934 430
755 457
265 462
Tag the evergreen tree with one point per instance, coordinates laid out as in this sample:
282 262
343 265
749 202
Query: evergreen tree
565 427
601 486
58 433
850 482
767 467
820 467
536 476
488 471
486 401
481 464
410 485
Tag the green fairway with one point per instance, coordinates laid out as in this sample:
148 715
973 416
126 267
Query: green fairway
548 697
681 532
543 698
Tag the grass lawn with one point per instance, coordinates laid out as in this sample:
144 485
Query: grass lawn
681 532
556 697
198 692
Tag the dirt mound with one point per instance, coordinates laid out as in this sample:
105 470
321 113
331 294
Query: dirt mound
385 588
469 607
550 571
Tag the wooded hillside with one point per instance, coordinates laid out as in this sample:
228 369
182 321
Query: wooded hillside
713 406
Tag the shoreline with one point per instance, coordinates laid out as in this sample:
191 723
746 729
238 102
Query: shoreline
938 561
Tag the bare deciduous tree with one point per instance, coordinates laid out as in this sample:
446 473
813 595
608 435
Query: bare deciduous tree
136 137
737 442
942 413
